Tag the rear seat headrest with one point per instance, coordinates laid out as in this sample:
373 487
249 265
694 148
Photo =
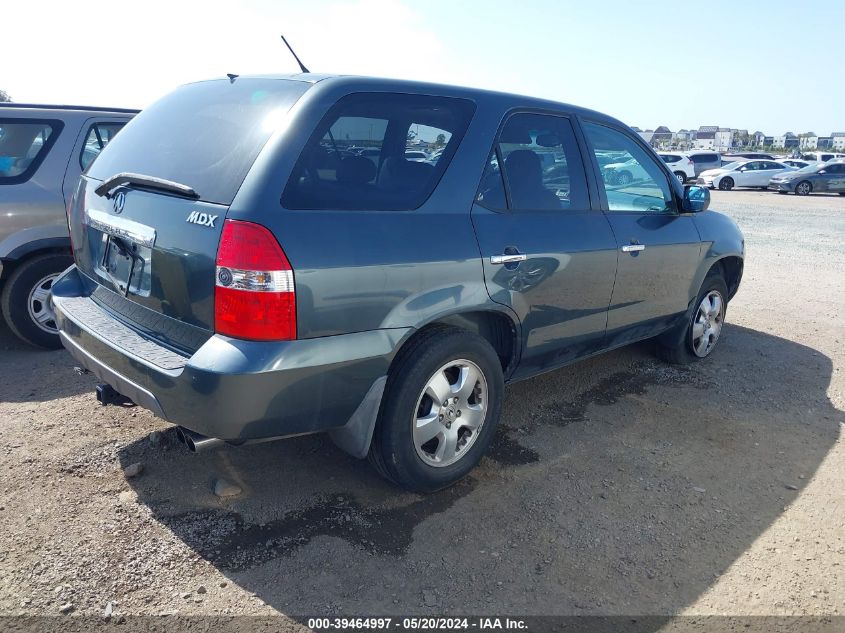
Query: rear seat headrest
356 170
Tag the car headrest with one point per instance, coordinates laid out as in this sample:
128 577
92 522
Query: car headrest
398 173
523 167
356 170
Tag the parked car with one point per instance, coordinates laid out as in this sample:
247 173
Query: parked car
624 173
794 162
681 165
704 160
729 158
416 156
237 287
43 150
814 178
822 157
743 173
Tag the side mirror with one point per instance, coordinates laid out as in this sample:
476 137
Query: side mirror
696 199
823 171
743 169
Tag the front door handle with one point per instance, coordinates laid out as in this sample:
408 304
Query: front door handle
509 258
633 248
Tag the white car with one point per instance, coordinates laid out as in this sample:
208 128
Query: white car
624 173
742 173
416 156
681 165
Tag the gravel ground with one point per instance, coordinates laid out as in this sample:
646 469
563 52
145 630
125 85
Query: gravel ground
619 485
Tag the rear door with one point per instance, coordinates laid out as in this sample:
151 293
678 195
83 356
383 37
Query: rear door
547 254
659 249
149 249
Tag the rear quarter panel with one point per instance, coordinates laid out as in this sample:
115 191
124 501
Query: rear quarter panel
365 270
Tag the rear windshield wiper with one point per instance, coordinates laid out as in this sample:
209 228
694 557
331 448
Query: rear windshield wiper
145 182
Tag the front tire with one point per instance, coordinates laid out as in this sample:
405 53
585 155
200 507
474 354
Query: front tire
25 300
681 176
703 328
804 188
440 410
624 178
726 184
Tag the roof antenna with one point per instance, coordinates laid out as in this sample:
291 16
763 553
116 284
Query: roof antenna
232 77
301 65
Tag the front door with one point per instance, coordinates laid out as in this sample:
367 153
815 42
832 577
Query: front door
547 255
658 248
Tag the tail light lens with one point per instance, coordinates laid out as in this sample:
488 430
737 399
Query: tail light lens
254 294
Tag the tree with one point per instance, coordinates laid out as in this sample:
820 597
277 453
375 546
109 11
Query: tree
4 96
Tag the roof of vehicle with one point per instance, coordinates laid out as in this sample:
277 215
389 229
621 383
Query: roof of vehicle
75 108
380 83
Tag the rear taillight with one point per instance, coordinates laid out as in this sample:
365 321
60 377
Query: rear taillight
254 294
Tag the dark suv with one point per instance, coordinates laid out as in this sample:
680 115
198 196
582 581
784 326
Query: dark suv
43 150
245 271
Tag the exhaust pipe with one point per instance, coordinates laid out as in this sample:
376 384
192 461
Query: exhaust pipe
195 442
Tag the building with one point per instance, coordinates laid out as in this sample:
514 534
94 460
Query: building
787 141
808 141
724 139
705 137
740 138
838 140
647 135
825 142
758 139
662 137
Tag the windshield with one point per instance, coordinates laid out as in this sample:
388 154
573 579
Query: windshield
809 168
203 135
733 165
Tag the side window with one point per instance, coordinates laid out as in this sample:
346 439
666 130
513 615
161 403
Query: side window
632 180
358 156
24 143
535 166
98 136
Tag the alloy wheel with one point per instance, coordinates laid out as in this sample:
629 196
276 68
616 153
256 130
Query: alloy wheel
450 413
707 325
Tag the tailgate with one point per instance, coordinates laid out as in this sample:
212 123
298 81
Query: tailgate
152 257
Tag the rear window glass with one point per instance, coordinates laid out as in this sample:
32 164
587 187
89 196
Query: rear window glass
99 135
356 159
23 145
204 135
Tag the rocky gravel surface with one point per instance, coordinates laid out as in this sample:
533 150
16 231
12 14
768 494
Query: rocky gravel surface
619 485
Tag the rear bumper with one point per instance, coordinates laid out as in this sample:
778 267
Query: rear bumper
229 389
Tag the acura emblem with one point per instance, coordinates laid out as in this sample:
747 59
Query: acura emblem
119 201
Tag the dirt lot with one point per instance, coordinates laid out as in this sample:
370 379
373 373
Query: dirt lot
617 486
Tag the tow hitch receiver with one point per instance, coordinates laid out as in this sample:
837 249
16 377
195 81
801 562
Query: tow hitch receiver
106 394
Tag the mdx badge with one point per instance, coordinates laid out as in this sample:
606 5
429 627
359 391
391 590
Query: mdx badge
203 219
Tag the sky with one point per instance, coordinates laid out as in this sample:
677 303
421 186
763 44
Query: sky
775 66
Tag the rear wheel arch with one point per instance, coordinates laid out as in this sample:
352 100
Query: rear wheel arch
496 327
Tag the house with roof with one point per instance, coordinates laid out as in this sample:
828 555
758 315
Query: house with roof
705 138
837 140
808 140
787 141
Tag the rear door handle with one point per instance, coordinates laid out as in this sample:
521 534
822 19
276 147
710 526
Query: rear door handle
633 248
510 258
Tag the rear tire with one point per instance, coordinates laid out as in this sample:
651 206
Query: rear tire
702 330
726 184
25 300
400 450
804 188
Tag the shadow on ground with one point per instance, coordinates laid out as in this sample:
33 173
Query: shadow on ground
618 485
